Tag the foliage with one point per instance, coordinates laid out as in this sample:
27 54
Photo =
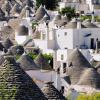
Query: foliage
32 55
68 11
48 57
97 18
17 57
34 25
86 17
94 96
49 4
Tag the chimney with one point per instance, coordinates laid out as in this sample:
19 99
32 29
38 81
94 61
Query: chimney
79 24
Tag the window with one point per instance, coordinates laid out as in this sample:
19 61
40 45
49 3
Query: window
58 71
65 33
62 57
64 67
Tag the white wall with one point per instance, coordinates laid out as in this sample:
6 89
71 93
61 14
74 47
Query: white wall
62 52
64 41
20 39
76 37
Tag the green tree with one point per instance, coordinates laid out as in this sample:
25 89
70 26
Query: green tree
49 4
68 11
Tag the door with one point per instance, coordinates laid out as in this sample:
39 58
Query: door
92 43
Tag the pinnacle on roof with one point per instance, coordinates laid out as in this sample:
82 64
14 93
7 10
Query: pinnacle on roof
90 77
42 62
51 93
27 63
18 85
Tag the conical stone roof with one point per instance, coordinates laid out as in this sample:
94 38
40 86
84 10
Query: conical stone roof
23 11
7 43
16 9
16 84
42 62
17 49
73 25
23 30
51 92
2 14
1 47
40 13
77 63
6 7
7 31
89 24
90 77
1 59
27 63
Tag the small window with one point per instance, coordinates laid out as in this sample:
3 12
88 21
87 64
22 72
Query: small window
64 67
58 71
65 33
62 57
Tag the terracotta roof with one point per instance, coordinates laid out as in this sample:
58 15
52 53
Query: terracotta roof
17 83
51 93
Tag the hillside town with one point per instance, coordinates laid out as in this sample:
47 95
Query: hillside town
49 49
